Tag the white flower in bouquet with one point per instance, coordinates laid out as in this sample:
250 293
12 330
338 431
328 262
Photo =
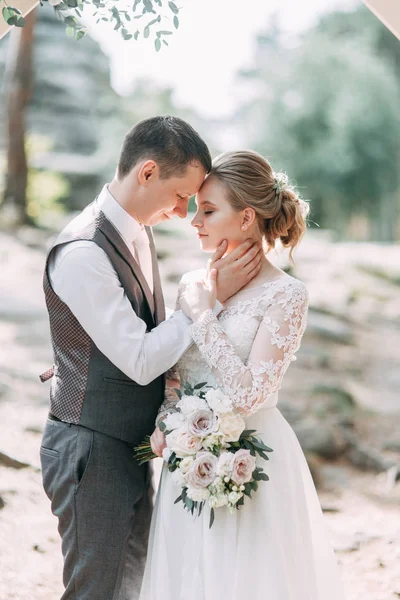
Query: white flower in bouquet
198 494
218 501
243 466
185 464
166 454
225 462
201 423
203 470
174 421
189 404
213 440
218 402
178 478
231 425
217 486
182 443
234 497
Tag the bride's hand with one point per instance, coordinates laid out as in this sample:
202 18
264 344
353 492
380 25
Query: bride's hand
199 296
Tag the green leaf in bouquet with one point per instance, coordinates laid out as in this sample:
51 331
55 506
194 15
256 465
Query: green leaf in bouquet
247 489
247 433
179 498
162 426
212 517
260 444
201 506
263 477
240 502
176 22
249 446
263 455
203 383
254 485
178 393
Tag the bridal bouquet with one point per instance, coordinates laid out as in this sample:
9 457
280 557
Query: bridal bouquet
211 455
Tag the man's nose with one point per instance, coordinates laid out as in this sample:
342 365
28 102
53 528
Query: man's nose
181 209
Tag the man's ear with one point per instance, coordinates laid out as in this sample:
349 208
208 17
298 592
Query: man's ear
147 171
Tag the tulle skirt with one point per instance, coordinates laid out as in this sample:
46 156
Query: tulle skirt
275 547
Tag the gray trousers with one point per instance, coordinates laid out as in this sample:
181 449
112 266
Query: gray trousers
103 501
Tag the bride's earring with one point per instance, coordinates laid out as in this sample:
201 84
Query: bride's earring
243 228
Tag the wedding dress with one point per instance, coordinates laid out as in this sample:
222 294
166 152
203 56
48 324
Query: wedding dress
276 546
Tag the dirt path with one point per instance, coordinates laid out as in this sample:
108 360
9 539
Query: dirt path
362 509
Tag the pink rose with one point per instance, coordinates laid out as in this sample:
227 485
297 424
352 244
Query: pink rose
203 471
201 423
243 465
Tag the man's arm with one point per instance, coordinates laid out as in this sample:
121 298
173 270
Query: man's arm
84 278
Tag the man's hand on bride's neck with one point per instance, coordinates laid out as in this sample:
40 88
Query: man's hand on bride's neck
236 269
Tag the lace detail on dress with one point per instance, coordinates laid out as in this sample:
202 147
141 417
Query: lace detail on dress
282 310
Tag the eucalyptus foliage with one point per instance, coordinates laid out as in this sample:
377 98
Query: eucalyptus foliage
152 19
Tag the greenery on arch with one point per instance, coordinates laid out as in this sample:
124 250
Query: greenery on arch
152 19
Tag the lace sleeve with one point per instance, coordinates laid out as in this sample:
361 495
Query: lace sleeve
277 339
172 380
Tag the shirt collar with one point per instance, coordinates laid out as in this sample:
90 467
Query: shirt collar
126 225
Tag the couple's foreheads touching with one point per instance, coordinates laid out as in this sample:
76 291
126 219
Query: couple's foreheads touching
164 162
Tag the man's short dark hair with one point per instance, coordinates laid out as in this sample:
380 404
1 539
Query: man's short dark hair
171 142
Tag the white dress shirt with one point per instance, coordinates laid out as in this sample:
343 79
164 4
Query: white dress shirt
82 275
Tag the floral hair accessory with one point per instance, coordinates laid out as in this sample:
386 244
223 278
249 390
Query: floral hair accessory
281 180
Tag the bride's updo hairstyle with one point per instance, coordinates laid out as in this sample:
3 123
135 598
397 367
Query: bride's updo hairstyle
250 181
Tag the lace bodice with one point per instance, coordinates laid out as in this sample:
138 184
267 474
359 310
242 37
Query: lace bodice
247 349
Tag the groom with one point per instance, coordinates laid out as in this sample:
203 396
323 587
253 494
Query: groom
111 347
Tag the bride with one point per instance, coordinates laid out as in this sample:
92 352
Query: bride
276 546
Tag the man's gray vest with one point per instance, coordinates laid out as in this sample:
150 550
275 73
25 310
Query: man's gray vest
87 388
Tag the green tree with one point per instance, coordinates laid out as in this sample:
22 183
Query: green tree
329 116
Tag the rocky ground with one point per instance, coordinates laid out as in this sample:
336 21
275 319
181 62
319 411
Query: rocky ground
341 397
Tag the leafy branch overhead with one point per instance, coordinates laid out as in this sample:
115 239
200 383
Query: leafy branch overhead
151 19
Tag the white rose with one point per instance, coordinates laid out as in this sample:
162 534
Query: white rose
174 421
182 443
218 501
185 464
231 425
166 454
224 467
189 404
178 478
218 402
197 494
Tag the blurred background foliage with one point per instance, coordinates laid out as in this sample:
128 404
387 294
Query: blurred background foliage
323 107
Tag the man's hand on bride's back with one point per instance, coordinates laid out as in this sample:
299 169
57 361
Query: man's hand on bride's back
236 269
